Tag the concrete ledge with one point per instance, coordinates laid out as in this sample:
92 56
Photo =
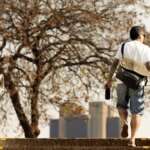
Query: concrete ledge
71 144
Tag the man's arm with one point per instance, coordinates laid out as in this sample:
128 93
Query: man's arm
147 64
112 71
113 68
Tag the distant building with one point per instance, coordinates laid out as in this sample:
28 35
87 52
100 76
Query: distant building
113 127
102 122
54 128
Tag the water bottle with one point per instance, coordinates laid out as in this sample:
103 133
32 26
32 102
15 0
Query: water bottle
107 92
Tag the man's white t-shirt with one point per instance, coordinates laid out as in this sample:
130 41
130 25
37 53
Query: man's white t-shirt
136 51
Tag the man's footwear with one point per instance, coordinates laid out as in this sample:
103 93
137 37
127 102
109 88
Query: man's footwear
132 143
124 132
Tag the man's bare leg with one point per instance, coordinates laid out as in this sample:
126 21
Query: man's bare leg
135 124
123 113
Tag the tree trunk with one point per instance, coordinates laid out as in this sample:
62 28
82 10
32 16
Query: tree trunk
34 94
34 108
9 85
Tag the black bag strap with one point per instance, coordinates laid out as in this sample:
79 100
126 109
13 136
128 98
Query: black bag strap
122 49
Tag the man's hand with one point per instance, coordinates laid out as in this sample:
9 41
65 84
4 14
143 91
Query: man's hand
108 84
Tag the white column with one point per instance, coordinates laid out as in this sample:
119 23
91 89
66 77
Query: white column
62 127
98 119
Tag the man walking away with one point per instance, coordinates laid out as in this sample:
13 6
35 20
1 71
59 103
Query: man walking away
136 58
